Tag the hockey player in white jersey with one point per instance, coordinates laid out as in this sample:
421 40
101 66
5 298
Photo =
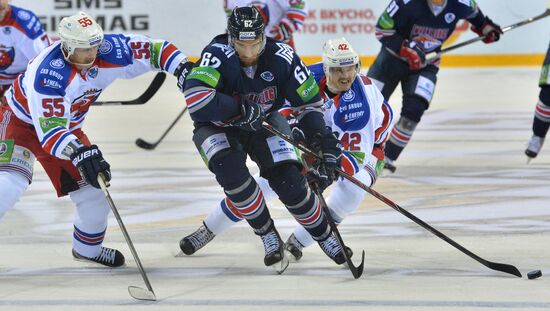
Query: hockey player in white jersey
22 37
282 17
354 109
42 114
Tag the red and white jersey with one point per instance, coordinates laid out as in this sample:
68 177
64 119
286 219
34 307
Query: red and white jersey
54 96
22 37
361 117
291 12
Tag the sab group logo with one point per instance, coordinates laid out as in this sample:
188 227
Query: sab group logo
349 95
57 63
26 154
106 47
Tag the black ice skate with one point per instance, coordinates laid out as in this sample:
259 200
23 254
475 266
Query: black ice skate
274 251
196 240
389 167
331 247
533 147
294 247
108 257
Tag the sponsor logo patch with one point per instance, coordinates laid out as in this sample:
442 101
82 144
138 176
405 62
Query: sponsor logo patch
57 63
267 76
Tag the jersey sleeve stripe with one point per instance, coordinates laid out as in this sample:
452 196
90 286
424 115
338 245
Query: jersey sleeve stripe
63 140
198 99
166 53
381 134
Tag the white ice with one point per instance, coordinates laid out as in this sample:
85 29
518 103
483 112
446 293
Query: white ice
464 173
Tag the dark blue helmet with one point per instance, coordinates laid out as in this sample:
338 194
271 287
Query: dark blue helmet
245 23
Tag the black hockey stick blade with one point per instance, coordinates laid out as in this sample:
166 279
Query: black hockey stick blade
502 267
145 145
143 98
150 146
506 268
141 293
356 271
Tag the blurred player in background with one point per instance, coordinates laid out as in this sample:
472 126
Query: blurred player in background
244 77
22 37
282 17
541 121
42 114
354 109
408 30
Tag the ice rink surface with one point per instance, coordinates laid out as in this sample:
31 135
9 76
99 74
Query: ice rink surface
464 173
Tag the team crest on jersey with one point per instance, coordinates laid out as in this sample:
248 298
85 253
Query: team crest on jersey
7 55
7 30
267 76
349 95
24 15
450 17
106 47
57 63
92 72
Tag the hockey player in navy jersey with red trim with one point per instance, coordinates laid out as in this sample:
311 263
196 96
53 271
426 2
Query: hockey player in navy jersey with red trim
408 30
242 79
541 121
43 112
354 109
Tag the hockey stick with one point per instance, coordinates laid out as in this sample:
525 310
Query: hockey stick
143 98
491 265
150 146
136 292
431 56
356 271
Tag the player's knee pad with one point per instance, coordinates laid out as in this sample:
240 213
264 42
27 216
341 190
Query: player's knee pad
12 186
230 168
345 197
414 107
287 181
92 209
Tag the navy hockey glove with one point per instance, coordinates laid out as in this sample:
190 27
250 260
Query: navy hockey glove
490 30
414 54
90 164
181 72
324 172
251 117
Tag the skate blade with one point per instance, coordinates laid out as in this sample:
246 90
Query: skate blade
141 293
281 266
290 257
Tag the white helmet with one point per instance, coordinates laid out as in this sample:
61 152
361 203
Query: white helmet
339 53
79 31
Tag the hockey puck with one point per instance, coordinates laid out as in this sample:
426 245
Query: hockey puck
534 274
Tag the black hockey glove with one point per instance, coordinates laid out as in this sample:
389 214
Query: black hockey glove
181 72
90 164
324 172
251 117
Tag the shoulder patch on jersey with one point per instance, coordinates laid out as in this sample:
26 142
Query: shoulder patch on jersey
286 52
52 74
308 89
115 50
27 22
208 75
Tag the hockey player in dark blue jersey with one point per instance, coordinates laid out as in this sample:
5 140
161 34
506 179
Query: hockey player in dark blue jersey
243 78
541 121
408 30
